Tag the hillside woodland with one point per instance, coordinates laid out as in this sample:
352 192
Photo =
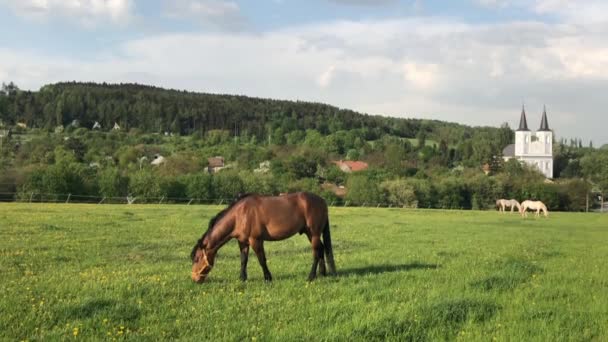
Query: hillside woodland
88 141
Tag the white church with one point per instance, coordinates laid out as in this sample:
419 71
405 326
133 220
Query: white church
533 148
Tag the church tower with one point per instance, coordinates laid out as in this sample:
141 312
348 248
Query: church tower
545 135
523 136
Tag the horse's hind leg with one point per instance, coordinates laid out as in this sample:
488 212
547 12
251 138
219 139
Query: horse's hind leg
258 248
318 253
244 248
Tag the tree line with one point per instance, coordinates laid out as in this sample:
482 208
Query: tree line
415 163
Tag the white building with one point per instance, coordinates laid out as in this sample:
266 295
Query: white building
533 148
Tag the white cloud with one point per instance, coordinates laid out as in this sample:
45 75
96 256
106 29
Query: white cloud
326 77
364 2
86 12
425 67
571 11
210 13
422 76
581 11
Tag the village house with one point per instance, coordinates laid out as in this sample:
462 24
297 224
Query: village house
350 166
215 164
158 160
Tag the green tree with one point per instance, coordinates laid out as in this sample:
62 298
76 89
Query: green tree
362 190
400 193
145 185
111 183
595 169
227 185
199 186
299 166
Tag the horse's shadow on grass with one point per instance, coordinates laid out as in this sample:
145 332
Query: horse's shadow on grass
341 272
380 269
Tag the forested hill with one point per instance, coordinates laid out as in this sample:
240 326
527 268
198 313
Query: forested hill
153 109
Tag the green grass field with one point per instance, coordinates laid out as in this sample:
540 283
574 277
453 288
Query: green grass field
117 271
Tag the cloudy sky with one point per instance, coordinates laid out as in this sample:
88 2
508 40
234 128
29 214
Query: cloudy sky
467 61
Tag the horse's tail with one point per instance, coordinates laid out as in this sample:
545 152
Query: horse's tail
329 253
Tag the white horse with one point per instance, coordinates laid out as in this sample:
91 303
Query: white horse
501 204
533 205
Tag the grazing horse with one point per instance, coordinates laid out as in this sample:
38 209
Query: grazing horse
501 204
533 205
253 219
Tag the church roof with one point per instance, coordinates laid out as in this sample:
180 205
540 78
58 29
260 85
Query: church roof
544 124
509 151
523 123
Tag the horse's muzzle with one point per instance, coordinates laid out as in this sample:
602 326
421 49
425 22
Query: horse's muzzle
200 276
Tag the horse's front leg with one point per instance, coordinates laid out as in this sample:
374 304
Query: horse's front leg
244 248
258 248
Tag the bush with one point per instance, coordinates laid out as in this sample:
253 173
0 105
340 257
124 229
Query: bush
574 195
485 191
362 190
304 184
227 185
199 186
173 188
453 194
258 183
145 185
111 183
400 193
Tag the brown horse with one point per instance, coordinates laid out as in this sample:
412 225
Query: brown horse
253 219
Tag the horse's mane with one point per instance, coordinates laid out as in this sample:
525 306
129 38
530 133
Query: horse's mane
214 220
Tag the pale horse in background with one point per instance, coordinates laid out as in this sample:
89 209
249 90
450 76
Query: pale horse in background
533 205
501 204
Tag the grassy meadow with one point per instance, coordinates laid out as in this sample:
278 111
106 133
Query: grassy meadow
123 272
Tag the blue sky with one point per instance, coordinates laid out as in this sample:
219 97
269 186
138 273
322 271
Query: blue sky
469 61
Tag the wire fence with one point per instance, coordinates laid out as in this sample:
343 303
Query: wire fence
34 197
86 199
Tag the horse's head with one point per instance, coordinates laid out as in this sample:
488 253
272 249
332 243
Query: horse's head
202 261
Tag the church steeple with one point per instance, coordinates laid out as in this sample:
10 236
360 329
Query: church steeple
544 124
523 123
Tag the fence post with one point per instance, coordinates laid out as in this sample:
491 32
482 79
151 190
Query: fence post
103 199
68 200
221 202
332 203
346 203
192 199
161 200
31 195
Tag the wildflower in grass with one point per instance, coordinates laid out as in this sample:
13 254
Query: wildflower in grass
75 332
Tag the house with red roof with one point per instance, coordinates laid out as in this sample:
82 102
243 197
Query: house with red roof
349 166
